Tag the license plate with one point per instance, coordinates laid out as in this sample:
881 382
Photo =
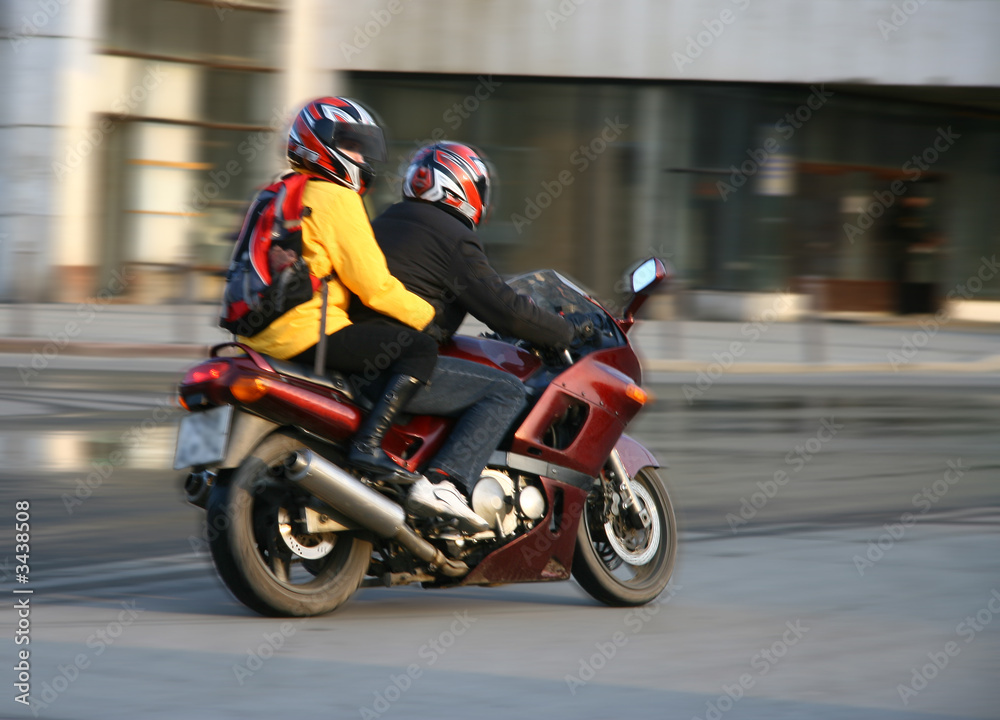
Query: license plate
203 437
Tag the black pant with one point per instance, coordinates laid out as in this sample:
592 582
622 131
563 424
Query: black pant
367 353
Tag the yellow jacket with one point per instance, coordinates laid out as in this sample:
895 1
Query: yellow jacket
337 237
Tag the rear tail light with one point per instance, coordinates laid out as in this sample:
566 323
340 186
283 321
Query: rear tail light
206 372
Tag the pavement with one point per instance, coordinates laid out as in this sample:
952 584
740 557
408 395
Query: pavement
863 587
831 344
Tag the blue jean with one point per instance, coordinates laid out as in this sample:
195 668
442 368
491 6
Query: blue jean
485 400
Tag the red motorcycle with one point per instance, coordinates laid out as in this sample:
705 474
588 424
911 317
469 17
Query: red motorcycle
293 530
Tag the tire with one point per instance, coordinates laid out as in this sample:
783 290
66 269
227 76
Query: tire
603 571
257 563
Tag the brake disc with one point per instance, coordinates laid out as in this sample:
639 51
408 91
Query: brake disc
636 547
307 546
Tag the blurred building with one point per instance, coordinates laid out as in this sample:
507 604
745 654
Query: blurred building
841 150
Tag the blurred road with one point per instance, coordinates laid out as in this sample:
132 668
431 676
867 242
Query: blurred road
802 590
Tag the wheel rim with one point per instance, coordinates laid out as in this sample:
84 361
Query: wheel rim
632 558
295 559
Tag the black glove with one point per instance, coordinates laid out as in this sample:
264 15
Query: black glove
583 324
436 332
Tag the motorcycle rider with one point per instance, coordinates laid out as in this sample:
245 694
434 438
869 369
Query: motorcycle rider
430 243
332 140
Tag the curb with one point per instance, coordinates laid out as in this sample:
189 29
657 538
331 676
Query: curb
105 349
987 364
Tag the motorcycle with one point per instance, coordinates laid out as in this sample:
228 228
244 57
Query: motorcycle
295 531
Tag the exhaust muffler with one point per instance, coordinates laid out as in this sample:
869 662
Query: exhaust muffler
364 506
197 488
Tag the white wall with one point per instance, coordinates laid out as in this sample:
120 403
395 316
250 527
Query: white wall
943 42
45 54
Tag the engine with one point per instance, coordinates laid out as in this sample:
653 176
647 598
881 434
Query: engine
504 502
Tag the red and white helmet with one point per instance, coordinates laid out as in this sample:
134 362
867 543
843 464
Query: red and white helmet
327 126
452 176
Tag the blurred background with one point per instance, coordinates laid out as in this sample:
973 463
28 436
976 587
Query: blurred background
844 152
795 160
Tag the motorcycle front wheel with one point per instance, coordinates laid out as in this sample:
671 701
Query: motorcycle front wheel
263 553
617 564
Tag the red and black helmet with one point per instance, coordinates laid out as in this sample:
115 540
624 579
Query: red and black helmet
326 127
452 176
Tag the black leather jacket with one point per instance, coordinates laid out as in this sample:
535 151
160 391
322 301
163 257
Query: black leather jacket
437 257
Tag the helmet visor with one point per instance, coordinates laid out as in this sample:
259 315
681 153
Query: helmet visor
365 139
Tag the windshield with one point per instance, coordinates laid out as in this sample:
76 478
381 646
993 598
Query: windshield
551 291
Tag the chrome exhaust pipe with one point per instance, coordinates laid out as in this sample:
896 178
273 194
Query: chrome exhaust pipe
367 508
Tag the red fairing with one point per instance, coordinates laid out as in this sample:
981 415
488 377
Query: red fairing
326 415
600 389
519 363
541 554
621 358
287 401
414 444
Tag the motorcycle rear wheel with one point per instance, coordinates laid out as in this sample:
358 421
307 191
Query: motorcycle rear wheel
264 564
620 566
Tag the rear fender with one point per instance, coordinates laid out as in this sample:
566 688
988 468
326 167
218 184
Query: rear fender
246 433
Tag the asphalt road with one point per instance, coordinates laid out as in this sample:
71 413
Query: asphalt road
838 559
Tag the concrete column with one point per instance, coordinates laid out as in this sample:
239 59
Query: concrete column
46 242
306 57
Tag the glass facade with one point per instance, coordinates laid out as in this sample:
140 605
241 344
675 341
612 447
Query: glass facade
743 187
771 187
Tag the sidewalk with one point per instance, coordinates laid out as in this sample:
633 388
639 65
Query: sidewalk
876 344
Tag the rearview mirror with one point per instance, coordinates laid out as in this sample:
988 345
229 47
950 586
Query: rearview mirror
644 275
643 280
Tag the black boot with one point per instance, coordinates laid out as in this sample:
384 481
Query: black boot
366 447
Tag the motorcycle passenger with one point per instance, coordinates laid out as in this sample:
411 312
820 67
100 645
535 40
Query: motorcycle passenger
333 140
430 243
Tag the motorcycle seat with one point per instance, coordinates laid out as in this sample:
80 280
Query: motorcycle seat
332 380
